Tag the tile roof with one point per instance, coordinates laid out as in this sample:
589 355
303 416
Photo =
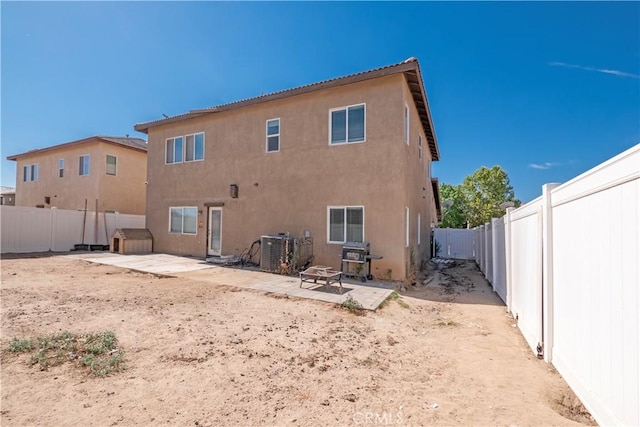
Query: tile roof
134 143
129 142
410 67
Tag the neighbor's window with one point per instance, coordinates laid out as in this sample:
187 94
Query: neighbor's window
419 230
183 220
345 224
194 147
273 135
61 168
30 173
406 124
173 150
420 146
111 165
83 167
347 124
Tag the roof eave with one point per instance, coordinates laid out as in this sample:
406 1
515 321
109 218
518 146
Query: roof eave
15 157
340 81
422 104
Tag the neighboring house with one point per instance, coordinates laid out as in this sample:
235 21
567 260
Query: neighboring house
347 159
109 169
7 196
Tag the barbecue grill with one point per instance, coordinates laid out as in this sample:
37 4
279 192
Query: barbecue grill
354 257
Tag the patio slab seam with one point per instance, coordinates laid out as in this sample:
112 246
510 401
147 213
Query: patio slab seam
166 266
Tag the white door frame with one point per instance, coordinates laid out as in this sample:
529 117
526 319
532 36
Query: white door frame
209 231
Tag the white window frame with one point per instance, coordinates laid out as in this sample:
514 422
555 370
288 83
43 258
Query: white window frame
86 165
406 123
183 152
428 169
184 148
267 136
166 144
60 168
419 239
30 172
106 165
346 108
344 234
183 216
406 226
420 146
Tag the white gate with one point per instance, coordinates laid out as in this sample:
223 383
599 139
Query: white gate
455 243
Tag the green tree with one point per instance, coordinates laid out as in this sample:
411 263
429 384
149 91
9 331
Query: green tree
453 216
483 192
477 199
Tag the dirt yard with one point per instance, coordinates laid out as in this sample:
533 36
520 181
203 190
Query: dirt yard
199 354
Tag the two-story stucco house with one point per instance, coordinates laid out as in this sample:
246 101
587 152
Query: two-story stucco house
347 159
111 170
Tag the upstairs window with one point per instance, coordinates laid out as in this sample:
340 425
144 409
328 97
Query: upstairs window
347 124
194 148
273 135
345 224
83 166
173 150
30 173
61 168
111 165
420 147
189 148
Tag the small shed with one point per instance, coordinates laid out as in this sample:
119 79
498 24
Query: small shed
131 241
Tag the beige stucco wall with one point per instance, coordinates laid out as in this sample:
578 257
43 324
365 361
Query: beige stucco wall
418 190
124 192
290 190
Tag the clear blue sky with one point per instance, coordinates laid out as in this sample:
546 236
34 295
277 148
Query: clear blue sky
546 90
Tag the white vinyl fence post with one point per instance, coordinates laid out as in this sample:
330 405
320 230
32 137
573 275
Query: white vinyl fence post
495 262
482 254
507 254
547 271
487 253
479 247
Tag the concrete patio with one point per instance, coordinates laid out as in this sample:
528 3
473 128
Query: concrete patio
369 294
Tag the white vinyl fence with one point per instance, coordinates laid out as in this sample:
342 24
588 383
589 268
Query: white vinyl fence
566 265
24 229
455 243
